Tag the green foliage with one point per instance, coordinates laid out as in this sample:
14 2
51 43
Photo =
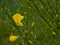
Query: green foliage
45 14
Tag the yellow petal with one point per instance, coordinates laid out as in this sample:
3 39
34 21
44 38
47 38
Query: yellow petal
19 24
12 38
17 18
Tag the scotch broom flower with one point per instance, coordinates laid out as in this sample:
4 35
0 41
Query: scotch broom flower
13 38
17 19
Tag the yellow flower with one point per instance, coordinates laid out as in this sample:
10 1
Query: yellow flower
12 38
17 19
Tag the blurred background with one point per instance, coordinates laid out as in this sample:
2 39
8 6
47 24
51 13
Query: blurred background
41 22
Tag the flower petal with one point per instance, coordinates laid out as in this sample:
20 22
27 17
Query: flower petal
12 38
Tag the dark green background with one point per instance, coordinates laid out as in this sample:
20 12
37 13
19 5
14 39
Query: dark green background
46 18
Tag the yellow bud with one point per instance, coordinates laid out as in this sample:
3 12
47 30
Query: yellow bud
19 24
33 23
53 33
30 41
